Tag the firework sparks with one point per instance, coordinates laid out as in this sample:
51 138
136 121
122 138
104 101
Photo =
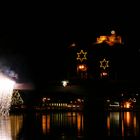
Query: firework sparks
6 90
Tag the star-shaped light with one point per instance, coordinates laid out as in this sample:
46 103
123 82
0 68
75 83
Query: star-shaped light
104 64
81 55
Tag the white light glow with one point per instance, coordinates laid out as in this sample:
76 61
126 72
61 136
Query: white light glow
64 83
6 90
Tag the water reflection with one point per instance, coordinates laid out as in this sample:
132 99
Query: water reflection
46 124
122 124
63 124
10 127
68 125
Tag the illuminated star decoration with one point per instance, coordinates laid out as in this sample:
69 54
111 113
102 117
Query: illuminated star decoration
104 64
81 55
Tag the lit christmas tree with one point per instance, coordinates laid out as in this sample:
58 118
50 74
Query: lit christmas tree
16 99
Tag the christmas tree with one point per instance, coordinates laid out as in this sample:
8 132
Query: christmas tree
16 98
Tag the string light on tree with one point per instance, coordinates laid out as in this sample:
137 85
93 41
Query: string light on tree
16 99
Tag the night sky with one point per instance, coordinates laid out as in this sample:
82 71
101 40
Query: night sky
35 43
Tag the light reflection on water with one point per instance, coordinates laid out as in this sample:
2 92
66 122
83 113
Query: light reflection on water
10 127
68 125
63 125
123 123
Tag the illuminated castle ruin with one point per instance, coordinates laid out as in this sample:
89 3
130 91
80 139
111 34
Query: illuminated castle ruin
110 40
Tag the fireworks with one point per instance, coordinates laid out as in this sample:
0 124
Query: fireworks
6 90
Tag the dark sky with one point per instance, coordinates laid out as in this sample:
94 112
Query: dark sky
35 41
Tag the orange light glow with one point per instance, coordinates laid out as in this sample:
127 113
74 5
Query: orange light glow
108 122
135 122
110 40
101 39
44 124
127 118
127 105
82 67
135 125
48 123
79 122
